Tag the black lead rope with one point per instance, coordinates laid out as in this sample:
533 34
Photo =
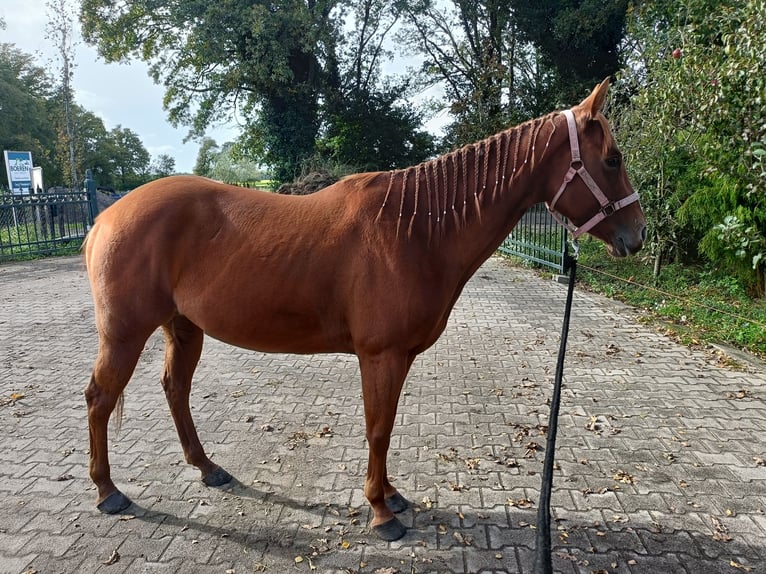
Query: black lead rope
543 563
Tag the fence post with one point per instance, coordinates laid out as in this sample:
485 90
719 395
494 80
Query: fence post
90 190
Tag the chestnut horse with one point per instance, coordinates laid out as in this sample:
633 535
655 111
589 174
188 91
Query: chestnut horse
371 265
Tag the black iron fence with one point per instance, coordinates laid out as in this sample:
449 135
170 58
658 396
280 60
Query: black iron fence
538 238
43 223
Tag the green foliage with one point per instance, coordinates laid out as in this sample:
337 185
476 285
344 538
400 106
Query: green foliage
579 40
695 304
472 49
373 132
689 117
24 94
501 62
290 70
230 165
206 155
162 166
34 120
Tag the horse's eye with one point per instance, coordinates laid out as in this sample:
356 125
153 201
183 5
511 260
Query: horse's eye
613 161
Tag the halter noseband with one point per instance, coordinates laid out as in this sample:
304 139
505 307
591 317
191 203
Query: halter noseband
607 207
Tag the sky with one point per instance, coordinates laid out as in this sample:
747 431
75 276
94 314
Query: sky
120 94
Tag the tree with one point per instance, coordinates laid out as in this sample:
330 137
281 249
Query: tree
504 61
469 46
693 127
162 166
287 67
129 158
372 132
60 31
367 122
208 150
25 123
262 58
579 39
231 166
92 146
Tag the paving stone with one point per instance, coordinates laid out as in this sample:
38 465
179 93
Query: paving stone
656 456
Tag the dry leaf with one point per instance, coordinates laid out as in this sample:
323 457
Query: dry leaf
466 540
739 566
113 559
670 457
720 531
624 477
520 502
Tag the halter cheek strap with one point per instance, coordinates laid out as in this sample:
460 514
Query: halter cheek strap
577 167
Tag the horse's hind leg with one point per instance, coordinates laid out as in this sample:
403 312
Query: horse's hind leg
183 347
113 368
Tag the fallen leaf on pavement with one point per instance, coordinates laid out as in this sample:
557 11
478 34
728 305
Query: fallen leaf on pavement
113 559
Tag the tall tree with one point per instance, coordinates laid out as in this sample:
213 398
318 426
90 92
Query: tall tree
261 58
25 125
503 61
368 124
579 39
208 150
473 48
289 68
162 166
60 31
130 160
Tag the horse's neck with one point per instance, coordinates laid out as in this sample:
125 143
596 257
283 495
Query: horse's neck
465 203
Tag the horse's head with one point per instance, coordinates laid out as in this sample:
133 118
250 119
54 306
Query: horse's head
595 194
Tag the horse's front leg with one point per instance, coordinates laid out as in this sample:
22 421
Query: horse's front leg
383 375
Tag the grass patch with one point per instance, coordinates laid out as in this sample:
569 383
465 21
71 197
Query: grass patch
696 305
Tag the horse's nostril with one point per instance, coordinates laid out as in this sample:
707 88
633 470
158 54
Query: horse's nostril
643 233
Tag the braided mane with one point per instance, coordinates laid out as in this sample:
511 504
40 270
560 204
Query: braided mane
464 181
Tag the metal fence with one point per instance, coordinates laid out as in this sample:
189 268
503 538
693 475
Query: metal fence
538 238
43 223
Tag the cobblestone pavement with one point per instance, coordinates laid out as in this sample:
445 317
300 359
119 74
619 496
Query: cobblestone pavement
661 449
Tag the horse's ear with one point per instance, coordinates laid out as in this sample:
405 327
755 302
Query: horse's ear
592 104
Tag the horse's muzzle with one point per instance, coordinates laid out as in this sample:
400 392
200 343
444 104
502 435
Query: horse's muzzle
627 242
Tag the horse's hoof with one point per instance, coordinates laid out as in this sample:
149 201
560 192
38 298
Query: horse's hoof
391 530
114 503
218 477
397 503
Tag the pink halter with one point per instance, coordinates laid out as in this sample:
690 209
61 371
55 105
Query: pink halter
607 207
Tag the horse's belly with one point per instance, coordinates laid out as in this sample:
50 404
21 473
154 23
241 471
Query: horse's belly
274 332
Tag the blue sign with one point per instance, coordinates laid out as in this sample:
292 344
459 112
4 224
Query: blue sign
18 165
